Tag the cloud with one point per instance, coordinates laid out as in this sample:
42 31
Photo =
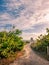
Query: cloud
31 16
37 28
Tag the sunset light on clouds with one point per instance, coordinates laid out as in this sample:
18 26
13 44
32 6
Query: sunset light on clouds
30 16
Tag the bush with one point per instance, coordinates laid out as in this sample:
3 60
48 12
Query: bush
10 43
42 42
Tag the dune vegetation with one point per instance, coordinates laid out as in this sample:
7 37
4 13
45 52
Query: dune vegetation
10 42
41 44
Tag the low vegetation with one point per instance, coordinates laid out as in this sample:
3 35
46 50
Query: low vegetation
10 44
41 44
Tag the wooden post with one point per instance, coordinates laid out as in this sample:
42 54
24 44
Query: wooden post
47 50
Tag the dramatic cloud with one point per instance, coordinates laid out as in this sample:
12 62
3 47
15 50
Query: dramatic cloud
31 16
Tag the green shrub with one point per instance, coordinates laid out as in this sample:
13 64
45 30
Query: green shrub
42 42
10 43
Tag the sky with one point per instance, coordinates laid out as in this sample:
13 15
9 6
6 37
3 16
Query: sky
30 16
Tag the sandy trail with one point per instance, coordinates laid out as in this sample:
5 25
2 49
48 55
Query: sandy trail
30 58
